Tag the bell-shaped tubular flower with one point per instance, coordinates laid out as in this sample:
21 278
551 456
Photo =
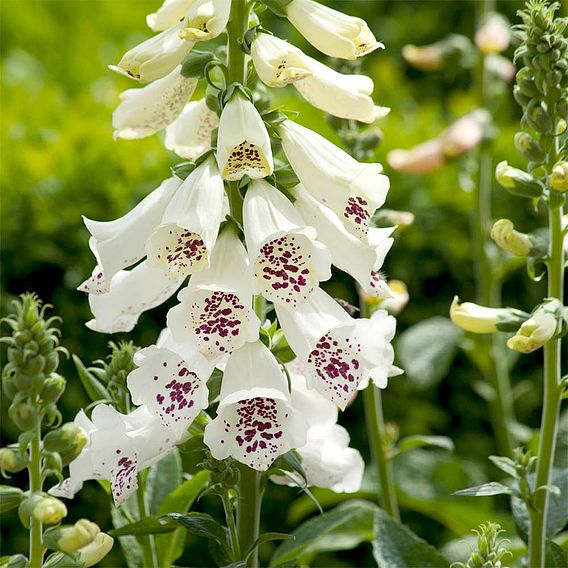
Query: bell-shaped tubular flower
353 190
287 260
332 32
155 57
243 144
215 311
144 111
361 260
120 243
189 135
255 420
339 352
168 14
174 389
131 293
206 19
183 242
118 447
277 62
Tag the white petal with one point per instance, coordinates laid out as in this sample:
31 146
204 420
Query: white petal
189 135
243 144
168 14
206 19
131 293
144 111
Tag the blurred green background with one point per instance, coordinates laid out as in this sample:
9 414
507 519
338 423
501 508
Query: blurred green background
59 161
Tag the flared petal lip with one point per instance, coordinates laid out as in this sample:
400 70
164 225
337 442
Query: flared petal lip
247 394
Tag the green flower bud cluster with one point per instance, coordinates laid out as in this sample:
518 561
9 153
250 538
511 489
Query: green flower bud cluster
489 552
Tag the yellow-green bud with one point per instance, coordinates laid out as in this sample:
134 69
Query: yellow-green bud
11 460
68 436
517 181
537 330
474 318
94 552
558 179
24 414
529 147
53 388
49 510
504 234
69 538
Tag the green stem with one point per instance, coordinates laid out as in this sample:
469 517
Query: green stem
147 542
376 432
37 549
231 524
248 512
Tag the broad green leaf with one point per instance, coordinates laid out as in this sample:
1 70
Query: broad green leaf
121 516
396 546
561 454
426 351
411 442
93 387
342 528
505 464
214 385
149 525
201 524
485 490
267 537
163 478
555 555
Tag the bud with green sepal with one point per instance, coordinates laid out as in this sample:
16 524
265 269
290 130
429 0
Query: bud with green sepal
558 179
517 182
49 510
65 437
10 498
53 388
12 461
517 243
529 147
70 538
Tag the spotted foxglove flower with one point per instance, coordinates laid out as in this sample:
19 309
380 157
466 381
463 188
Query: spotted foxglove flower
243 144
168 14
206 19
183 241
362 260
173 388
215 311
353 190
119 446
189 135
332 32
277 62
120 243
155 57
339 352
142 112
255 420
287 260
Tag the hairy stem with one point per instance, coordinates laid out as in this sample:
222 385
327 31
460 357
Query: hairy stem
232 526
147 542
37 549
248 512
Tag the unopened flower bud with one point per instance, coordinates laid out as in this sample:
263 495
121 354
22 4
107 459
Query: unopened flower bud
95 551
11 460
24 414
464 134
519 244
529 147
69 538
494 35
475 318
517 182
426 58
53 388
390 217
399 299
453 51
421 159
558 179
66 437
9 387
10 497
49 510
538 118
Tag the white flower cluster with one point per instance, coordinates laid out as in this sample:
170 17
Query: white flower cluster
284 251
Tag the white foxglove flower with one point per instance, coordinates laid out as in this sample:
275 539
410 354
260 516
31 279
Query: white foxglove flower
475 318
362 260
332 32
119 446
206 19
183 241
339 352
168 14
142 112
353 190
155 57
255 421
277 62
131 293
174 389
287 260
120 243
215 311
243 144
189 135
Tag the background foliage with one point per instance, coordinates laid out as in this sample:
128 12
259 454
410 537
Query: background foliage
59 161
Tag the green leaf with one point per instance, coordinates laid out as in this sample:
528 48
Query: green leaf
201 524
342 528
267 537
195 62
426 350
60 560
10 498
121 516
93 387
214 385
485 490
396 546
555 555
411 442
505 464
149 525
163 478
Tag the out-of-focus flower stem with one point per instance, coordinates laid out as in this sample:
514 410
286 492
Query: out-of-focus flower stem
147 542
37 549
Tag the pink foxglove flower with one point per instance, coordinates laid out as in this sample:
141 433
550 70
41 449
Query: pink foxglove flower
205 19
287 260
255 420
353 190
168 14
144 111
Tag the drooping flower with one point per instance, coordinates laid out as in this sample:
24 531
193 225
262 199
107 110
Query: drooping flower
168 14
353 190
332 32
205 19
464 134
287 260
155 57
243 144
183 241
475 318
255 420
339 352
120 243
215 311
189 135
422 159
144 111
